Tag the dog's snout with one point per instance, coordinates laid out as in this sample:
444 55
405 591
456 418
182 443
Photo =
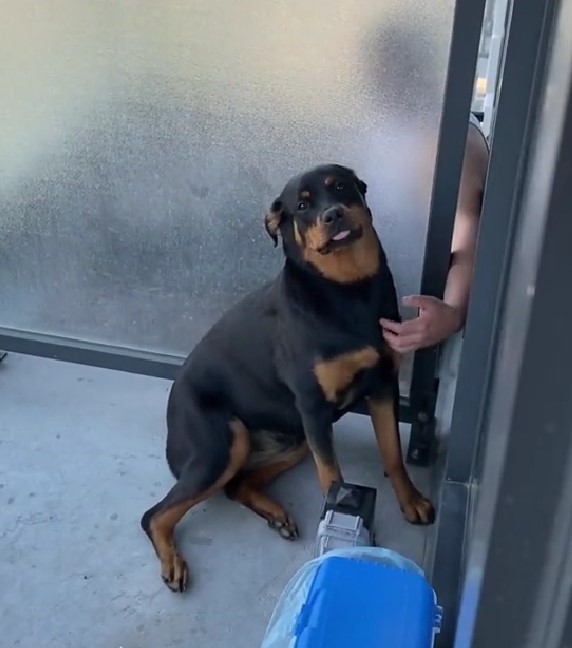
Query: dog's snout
333 214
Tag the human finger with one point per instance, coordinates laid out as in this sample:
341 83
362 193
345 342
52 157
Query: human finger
408 344
421 301
390 325
403 344
392 339
415 326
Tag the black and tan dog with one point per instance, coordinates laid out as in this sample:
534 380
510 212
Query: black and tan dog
271 377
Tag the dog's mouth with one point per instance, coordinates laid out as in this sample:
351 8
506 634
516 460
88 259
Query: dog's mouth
341 239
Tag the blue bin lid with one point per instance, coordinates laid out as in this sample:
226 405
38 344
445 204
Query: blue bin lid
355 603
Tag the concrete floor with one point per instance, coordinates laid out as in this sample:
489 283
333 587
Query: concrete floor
81 457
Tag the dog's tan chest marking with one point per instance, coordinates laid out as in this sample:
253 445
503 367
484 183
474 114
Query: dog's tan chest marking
336 374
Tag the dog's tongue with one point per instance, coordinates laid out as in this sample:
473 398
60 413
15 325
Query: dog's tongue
342 235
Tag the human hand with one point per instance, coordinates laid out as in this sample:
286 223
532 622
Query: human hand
435 322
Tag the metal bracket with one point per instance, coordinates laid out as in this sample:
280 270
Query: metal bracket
423 440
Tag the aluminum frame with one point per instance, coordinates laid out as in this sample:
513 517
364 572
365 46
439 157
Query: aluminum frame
90 353
467 23
527 44
525 55
518 590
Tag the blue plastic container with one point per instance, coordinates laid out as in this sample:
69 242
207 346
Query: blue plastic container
364 597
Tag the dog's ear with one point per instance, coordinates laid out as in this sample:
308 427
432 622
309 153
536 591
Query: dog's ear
361 185
273 219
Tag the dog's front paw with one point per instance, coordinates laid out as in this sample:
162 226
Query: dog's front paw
175 572
417 509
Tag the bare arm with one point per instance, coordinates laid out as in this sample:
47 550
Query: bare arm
465 231
438 319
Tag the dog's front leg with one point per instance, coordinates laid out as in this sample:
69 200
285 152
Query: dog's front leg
416 508
319 434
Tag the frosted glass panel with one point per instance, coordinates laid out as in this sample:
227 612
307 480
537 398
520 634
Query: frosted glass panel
141 142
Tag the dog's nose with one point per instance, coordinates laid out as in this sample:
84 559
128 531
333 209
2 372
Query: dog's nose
333 214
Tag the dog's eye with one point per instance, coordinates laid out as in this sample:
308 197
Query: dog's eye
340 186
302 205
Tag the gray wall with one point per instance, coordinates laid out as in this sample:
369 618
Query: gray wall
142 141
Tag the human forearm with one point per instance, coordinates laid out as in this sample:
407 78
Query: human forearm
438 319
458 287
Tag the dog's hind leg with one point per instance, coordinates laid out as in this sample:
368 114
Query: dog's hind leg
202 475
246 488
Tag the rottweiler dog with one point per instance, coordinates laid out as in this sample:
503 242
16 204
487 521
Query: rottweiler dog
270 378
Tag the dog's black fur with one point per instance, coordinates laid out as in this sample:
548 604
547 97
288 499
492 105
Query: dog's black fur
277 370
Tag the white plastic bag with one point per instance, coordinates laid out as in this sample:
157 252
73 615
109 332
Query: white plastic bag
280 632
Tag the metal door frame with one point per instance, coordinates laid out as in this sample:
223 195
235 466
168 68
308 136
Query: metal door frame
453 128
527 46
518 588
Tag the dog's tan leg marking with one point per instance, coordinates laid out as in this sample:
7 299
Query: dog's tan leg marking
174 570
328 473
416 508
246 488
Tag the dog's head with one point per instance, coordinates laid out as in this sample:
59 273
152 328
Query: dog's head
325 223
